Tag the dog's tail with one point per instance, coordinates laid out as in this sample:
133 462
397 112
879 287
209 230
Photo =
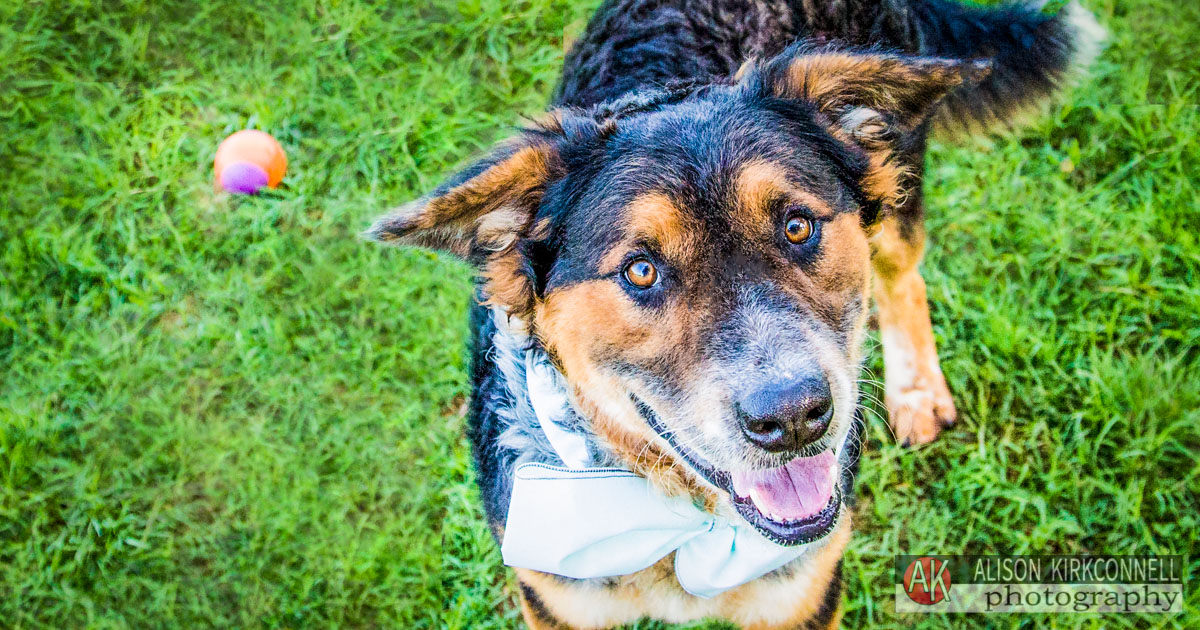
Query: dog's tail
1032 53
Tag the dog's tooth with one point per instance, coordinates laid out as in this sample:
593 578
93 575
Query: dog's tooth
757 499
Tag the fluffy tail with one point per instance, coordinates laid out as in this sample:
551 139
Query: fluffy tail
1033 54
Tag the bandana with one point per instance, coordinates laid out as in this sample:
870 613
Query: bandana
581 521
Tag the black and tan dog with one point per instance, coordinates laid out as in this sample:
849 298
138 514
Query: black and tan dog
692 237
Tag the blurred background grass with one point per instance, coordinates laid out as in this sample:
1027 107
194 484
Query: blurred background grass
223 412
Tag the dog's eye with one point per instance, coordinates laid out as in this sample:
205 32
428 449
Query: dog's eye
798 229
641 273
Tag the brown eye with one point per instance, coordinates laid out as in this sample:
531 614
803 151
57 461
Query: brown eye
798 229
641 273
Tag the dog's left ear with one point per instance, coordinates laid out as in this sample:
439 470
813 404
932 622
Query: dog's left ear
868 99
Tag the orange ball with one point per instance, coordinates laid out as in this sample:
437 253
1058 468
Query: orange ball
248 161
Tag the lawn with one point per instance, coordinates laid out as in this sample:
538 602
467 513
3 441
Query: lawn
222 412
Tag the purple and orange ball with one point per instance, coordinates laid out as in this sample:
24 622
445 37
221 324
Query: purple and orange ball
249 161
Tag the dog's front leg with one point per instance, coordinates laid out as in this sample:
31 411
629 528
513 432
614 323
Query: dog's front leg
918 401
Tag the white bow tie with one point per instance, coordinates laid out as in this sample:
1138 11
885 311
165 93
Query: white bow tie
585 522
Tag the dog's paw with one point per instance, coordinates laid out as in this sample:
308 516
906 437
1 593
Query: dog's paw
918 414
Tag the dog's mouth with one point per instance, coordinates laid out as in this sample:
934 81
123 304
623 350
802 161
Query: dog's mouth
792 504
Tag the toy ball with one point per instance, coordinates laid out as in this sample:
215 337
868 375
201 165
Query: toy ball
249 161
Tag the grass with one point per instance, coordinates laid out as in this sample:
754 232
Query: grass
222 412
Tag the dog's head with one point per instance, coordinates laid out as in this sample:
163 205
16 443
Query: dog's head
697 264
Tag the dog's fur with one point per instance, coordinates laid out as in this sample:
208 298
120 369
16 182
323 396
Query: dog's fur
684 133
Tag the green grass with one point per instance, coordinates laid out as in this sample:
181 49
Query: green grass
223 412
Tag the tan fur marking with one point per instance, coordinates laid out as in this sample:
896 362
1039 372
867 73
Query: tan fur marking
845 265
887 180
655 217
506 285
613 258
760 183
577 322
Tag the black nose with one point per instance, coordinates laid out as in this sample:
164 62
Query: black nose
786 416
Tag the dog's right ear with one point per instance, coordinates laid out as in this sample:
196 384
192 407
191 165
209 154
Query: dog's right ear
482 214
481 211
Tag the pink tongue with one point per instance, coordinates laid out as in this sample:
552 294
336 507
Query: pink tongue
794 491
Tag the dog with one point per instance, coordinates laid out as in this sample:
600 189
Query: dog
675 271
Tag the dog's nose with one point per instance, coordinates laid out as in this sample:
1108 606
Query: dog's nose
786 416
